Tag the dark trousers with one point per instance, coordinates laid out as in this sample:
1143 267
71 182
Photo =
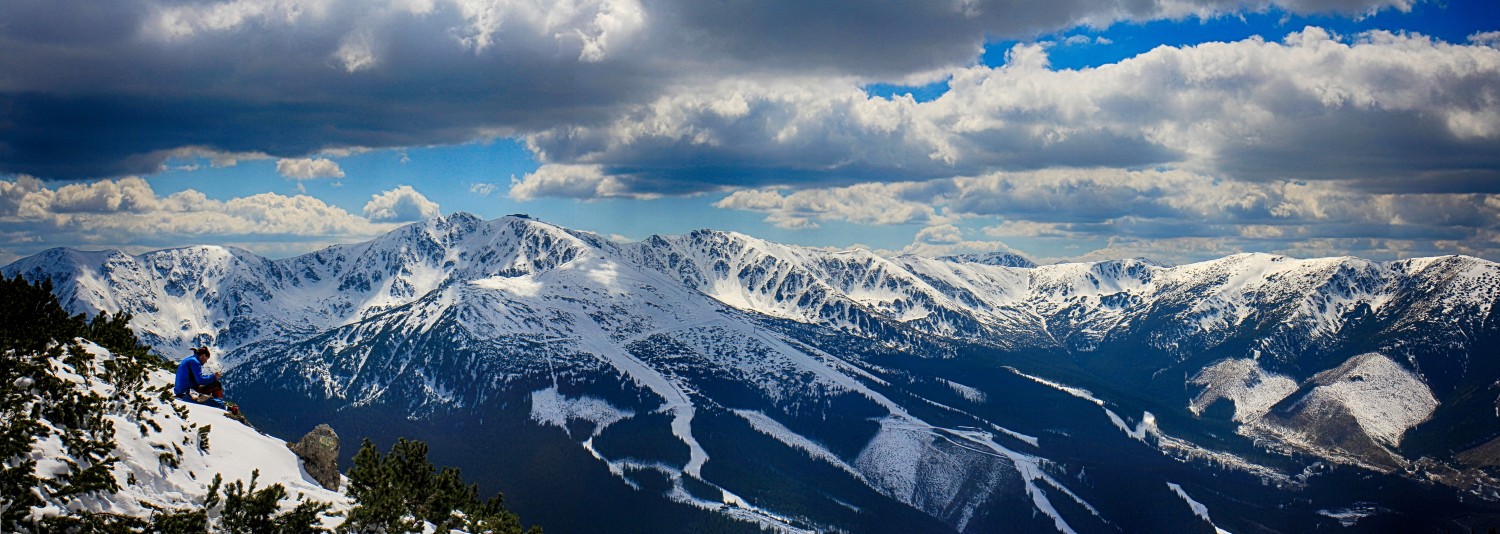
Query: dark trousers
214 394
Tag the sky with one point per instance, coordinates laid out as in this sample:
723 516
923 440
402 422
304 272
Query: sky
1062 130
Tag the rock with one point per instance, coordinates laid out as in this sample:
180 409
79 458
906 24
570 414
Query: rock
319 451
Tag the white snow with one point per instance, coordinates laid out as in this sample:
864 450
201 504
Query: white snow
1139 432
233 450
525 285
604 298
1241 381
551 408
968 393
1386 398
765 425
1351 515
1198 508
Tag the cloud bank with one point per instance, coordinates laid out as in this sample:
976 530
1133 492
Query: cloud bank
1172 215
103 91
128 213
1382 141
1383 111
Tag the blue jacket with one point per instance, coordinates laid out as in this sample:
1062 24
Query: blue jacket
190 374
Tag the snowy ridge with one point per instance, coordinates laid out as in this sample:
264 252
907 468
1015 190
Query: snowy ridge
1198 508
451 314
204 294
770 427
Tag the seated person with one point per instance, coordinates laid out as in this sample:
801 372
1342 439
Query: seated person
191 378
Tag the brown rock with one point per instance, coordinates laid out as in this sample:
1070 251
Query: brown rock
319 451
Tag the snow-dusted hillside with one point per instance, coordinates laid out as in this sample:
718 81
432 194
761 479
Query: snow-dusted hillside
643 356
1357 411
163 454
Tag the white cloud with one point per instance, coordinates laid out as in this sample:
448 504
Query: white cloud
483 189
356 52
216 158
128 214
402 204
1012 228
126 194
1177 212
570 181
1490 39
870 203
944 239
591 28
176 22
1311 107
308 168
314 74
944 234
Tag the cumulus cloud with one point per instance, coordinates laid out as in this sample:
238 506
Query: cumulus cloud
1310 107
945 239
1490 39
945 234
869 203
1174 213
572 181
308 168
483 189
1378 140
127 213
313 74
402 204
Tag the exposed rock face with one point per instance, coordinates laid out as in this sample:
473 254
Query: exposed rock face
319 451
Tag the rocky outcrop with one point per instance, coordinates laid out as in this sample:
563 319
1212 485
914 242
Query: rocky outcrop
319 451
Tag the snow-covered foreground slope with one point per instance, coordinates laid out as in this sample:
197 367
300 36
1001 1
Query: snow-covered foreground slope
235 451
802 389
165 456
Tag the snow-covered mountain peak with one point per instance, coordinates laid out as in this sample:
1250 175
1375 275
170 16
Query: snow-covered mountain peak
1064 280
997 258
675 340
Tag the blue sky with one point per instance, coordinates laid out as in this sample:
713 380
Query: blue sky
1079 130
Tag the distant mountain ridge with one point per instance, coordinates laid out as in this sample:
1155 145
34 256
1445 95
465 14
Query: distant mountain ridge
637 352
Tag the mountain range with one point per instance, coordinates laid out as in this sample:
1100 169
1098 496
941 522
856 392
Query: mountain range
716 381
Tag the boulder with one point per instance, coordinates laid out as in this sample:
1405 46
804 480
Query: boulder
319 451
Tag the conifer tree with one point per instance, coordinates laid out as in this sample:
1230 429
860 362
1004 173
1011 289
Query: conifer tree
399 491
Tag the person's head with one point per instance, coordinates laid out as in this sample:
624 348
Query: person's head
202 353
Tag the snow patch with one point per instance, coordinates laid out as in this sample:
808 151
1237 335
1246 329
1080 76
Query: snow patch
768 426
551 408
968 393
1198 508
521 286
1241 381
1351 515
1383 396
